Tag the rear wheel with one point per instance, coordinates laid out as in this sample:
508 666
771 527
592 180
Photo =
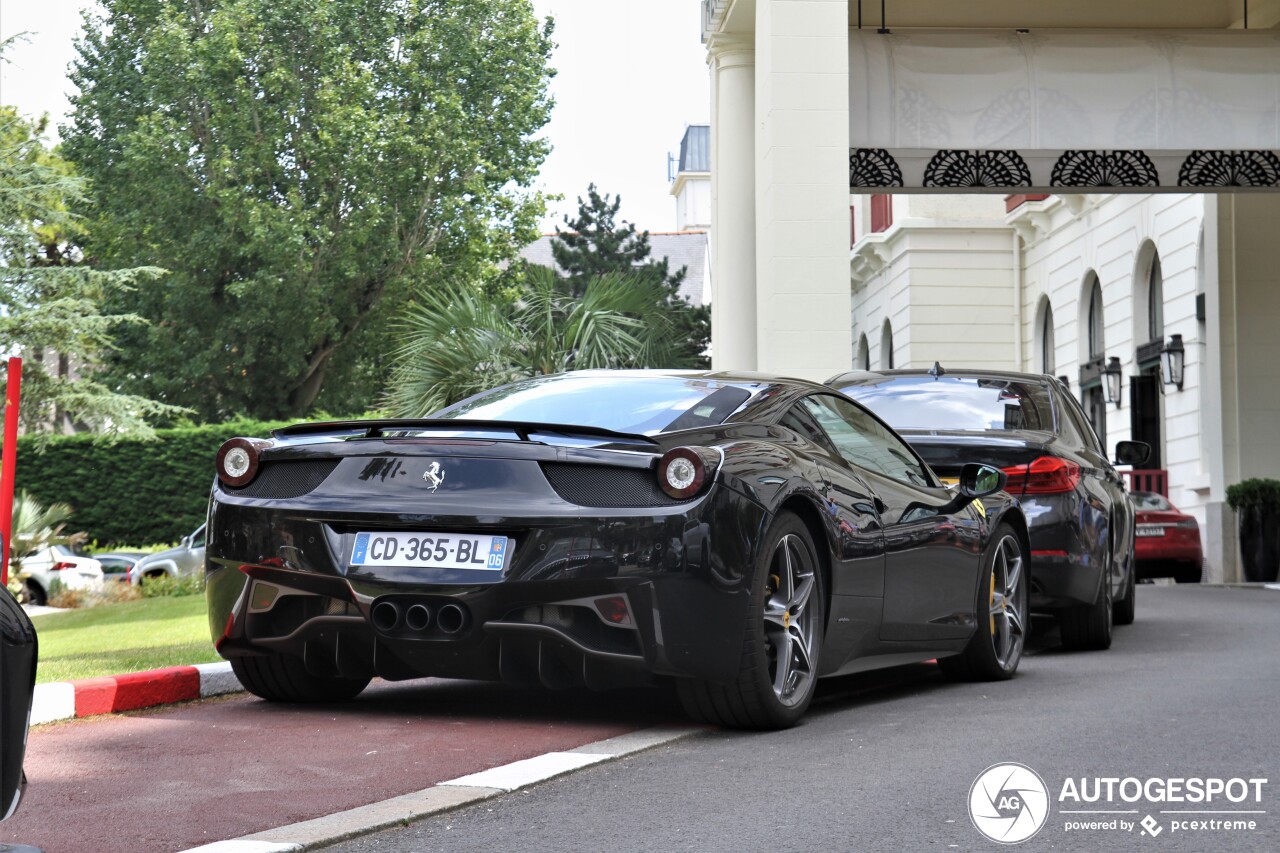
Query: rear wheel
1124 610
283 678
996 648
781 640
1187 574
1087 627
33 593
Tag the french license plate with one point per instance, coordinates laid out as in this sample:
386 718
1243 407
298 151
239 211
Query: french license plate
1150 530
431 550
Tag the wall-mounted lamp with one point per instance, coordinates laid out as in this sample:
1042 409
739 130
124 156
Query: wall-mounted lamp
1065 380
1172 359
1111 380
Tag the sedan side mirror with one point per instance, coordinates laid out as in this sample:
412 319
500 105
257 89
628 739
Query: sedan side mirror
1132 452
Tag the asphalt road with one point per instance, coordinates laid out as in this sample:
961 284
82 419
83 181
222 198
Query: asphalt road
176 777
1191 690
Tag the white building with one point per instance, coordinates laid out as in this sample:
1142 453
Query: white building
1044 103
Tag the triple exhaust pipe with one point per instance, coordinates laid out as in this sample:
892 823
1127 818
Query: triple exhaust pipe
420 617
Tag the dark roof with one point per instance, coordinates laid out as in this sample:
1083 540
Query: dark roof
681 249
695 149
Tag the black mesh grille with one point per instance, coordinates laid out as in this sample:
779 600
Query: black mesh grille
287 479
606 486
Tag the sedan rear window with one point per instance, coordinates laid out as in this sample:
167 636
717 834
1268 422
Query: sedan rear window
643 405
957 402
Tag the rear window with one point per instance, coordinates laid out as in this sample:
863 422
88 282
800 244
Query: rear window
644 405
957 403
1151 502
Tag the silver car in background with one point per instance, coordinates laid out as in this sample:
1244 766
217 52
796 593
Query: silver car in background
180 562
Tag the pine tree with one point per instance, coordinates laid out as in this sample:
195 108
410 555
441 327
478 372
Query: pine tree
595 242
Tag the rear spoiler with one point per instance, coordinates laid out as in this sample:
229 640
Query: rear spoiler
522 429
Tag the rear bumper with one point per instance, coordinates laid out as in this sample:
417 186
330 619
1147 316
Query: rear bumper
1068 551
278 581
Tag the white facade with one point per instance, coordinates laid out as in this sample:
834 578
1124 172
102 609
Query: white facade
959 280
969 285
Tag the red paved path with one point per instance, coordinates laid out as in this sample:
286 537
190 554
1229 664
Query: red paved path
172 778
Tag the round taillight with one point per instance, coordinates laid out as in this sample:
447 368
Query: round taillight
238 462
681 472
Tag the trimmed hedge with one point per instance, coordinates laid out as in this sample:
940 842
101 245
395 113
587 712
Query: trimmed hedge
1256 491
130 492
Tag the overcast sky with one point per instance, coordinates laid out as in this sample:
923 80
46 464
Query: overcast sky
630 77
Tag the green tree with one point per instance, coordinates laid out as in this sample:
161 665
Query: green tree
460 339
51 300
596 243
298 165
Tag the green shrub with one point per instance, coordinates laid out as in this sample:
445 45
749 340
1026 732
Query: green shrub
1257 491
130 490
165 585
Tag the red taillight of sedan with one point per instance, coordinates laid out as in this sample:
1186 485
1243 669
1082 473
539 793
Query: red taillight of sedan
59 567
1047 475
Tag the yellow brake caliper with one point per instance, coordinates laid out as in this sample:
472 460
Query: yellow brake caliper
991 601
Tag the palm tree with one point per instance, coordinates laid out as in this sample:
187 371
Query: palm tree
458 341
35 526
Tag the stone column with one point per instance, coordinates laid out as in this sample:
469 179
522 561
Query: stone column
802 187
733 205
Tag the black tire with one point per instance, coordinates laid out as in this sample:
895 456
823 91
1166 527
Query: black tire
33 593
1187 574
284 678
1003 614
1124 610
787 612
1087 627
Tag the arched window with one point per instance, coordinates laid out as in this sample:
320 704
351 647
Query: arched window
864 354
1097 346
1155 301
886 346
1048 359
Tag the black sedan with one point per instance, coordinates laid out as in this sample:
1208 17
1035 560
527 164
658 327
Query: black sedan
1029 426
17 686
738 535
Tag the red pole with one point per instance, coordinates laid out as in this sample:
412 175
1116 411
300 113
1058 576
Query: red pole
9 460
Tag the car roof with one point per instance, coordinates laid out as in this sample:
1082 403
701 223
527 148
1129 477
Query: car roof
732 376
868 376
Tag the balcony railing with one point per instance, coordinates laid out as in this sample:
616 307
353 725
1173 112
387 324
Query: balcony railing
1147 480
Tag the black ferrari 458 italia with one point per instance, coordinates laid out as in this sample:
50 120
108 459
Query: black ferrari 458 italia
737 535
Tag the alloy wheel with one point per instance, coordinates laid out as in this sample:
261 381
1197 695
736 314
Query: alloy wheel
1007 602
790 622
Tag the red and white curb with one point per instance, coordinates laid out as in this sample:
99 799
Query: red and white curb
63 700
447 796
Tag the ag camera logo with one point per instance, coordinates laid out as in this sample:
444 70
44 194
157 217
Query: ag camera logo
1009 803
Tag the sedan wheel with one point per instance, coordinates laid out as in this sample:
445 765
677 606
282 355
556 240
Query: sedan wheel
781 643
996 648
1087 627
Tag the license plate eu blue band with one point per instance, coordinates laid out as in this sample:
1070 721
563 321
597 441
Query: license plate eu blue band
431 550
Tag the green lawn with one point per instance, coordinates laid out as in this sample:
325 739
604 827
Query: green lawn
131 636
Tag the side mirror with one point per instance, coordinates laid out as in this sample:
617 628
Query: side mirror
17 686
1132 452
978 481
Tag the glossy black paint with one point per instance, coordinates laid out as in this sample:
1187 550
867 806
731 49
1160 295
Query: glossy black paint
901 577
17 685
1077 537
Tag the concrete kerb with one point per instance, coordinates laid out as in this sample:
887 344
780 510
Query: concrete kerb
446 796
64 700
